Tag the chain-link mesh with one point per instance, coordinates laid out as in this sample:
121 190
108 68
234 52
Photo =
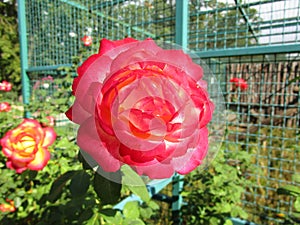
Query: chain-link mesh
56 27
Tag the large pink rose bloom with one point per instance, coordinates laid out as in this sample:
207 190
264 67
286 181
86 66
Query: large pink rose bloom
144 106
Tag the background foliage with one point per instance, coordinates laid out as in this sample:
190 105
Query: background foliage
9 44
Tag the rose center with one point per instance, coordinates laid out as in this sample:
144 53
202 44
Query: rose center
149 117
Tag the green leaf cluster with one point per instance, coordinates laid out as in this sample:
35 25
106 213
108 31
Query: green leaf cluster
294 192
9 44
214 195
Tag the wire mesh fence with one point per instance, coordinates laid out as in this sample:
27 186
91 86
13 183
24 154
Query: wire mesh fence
264 120
256 40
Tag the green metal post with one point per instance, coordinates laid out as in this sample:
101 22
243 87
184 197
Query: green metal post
181 23
23 53
181 38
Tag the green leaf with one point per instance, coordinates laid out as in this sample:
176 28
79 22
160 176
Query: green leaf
296 178
133 222
225 207
86 215
228 222
94 220
153 205
296 215
135 183
108 212
146 212
58 185
80 183
85 165
114 220
289 190
108 191
297 204
131 210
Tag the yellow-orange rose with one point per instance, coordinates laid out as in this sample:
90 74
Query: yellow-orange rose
5 207
26 146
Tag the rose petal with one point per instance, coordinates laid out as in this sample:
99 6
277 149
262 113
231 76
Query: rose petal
193 157
41 159
50 136
90 142
18 167
107 45
156 171
76 113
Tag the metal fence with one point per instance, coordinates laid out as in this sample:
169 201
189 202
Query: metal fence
257 40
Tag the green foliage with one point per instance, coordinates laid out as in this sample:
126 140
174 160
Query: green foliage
136 184
9 44
294 191
108 191
214 195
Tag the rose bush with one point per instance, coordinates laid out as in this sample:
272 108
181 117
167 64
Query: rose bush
26 146
144 106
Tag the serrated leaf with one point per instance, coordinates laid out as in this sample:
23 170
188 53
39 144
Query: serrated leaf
135 183
131 210
108 191
80 183
58 185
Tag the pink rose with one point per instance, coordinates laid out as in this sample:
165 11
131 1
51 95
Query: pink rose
5 107
144 106
239 82
26 146
87 40
5 86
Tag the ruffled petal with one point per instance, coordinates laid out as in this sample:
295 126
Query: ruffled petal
19 167
41 159
90 142
49 137
156 171
194 156
107 45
